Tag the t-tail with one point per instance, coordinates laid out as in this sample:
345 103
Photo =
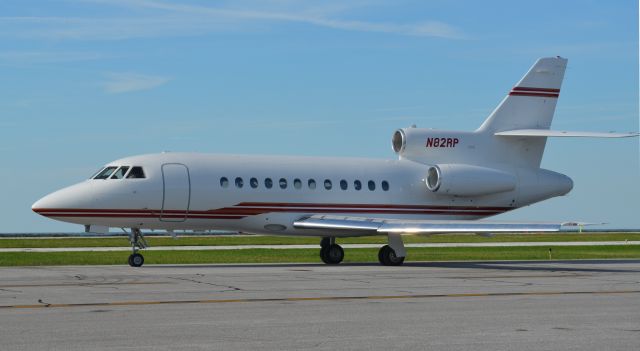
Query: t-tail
514 134
530 104
505 152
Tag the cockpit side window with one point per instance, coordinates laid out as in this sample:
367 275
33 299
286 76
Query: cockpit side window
105 173
119 174
136 172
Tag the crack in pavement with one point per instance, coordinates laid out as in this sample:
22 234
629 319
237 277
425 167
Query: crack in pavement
228 287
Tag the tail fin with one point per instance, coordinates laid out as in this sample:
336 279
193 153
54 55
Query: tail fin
532 102
529 105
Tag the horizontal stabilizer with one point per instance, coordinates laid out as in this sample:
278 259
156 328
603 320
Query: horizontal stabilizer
384 226
563 133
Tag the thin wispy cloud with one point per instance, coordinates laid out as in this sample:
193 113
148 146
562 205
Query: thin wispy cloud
427 28
48 56
158 18
119 83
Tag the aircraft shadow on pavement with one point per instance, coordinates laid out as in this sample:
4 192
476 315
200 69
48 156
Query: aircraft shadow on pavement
546 266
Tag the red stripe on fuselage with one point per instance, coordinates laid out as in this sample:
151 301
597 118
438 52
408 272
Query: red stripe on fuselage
385 206
245 209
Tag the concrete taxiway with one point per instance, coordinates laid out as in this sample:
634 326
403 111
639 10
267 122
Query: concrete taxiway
568 305
294 247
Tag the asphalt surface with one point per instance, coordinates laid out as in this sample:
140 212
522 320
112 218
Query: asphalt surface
568 305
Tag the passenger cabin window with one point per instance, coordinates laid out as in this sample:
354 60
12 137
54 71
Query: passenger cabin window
119 174
253 182
268 183
372 185
343 184
105 173
283 183
239 182
224 182
357 185
297 183
135 173
327 184
385 185
311 183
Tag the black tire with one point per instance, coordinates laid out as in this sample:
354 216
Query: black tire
325 242
387 257
333 254
323 255
136 260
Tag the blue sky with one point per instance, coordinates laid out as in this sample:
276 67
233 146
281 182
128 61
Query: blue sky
86 82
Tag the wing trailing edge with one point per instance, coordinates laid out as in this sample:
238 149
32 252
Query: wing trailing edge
387 226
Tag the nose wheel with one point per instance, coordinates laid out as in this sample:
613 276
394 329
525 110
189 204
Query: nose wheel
136 260
137 242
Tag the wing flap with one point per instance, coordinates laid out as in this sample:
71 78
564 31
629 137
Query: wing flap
338 223
386 226
563 133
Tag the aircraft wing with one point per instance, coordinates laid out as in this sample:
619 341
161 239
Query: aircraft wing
373 226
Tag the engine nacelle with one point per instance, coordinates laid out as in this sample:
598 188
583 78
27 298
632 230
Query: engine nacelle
467 180
431 146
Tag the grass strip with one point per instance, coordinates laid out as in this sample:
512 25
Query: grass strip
276 240
312 256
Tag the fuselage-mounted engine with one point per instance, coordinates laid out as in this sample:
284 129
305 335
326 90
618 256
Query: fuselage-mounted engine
468 180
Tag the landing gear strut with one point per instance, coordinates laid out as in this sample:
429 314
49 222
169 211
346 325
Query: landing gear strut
394 253
387 257
330 252
137 242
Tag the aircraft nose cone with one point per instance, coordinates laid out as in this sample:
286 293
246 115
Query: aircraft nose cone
45 204
62 200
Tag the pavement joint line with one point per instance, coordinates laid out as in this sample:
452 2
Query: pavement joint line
346 246
317 298
79 284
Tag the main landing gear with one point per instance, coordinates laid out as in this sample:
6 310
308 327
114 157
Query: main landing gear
387 257
392 254
330 252
137 242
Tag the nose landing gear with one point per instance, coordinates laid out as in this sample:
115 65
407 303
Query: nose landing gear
137 242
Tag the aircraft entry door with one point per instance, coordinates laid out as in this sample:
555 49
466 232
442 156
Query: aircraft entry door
176 192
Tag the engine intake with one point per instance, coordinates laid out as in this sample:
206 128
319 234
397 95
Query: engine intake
467 180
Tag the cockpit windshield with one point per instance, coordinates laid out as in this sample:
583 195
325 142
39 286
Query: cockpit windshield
105 173
95 174
119 174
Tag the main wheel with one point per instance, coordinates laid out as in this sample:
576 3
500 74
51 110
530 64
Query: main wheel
387 257
136 260
332 254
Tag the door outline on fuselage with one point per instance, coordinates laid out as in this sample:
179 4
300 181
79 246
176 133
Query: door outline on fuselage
164 194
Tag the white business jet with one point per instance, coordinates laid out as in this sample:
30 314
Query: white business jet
442 182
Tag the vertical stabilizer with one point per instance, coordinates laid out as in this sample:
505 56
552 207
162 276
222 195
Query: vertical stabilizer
530 104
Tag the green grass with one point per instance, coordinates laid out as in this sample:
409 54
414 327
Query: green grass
275 240
311 255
